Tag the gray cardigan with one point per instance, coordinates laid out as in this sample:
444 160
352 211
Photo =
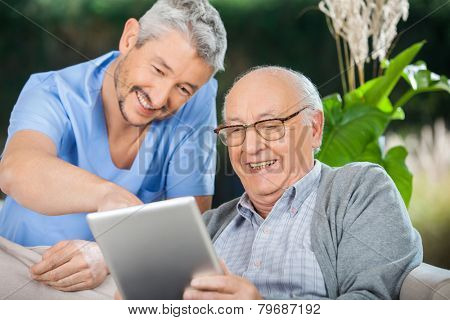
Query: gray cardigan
361 233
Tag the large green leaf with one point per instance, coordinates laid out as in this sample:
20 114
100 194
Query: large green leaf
420 80
332 108
358 96
352 134
383 86
394 163
348 131
372 153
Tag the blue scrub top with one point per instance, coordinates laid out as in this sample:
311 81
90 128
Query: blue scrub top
177 158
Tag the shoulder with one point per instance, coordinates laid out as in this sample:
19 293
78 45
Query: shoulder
359 191
355 174
44 81
223 210
40 91
355 185
79 79
214 219
83 81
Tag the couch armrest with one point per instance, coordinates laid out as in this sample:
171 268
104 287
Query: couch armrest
426 282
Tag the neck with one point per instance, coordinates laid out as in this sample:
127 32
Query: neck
264 203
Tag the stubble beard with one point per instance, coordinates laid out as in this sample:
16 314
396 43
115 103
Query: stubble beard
118 85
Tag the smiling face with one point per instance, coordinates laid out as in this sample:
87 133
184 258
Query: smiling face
268 167
154 80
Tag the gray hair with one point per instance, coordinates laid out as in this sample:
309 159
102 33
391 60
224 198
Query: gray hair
195 18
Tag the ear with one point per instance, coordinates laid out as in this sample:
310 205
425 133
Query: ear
317 128
129 36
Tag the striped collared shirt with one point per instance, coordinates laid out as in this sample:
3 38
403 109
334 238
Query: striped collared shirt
275 253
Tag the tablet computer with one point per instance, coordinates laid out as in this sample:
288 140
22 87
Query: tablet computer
154 250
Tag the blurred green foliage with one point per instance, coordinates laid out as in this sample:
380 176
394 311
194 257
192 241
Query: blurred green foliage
429 211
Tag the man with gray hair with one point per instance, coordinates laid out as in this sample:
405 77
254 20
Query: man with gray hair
301 230
129 127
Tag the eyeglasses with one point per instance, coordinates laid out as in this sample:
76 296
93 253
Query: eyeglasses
270 130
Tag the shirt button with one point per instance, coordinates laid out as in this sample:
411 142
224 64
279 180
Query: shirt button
293 210
266 230
257 263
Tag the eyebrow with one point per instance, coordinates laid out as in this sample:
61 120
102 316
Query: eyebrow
166 66
262 115
163 63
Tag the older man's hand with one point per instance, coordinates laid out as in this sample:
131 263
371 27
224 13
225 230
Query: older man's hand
221 287
71 266
117 295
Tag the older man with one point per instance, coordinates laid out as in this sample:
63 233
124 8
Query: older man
301 229
128 127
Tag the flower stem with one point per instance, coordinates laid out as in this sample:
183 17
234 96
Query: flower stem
361 73
350 71
341 63
404 98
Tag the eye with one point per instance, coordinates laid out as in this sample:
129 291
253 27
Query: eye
184 91
270 125
159 71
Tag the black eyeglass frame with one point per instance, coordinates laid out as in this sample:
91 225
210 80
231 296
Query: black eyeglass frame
246 126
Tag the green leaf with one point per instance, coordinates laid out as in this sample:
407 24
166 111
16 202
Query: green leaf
372 153
346 136
332 107
394 163
398 114
352 134
421 80
358 96
382 88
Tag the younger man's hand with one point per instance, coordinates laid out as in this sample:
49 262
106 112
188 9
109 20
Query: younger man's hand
71 266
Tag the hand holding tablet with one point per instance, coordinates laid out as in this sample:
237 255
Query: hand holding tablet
154 251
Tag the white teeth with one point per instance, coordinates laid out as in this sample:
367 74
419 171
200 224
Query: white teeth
143 100
261 165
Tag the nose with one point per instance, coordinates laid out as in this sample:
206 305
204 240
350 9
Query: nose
253 142
159 95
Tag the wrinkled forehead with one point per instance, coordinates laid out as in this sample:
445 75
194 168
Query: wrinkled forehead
262 95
